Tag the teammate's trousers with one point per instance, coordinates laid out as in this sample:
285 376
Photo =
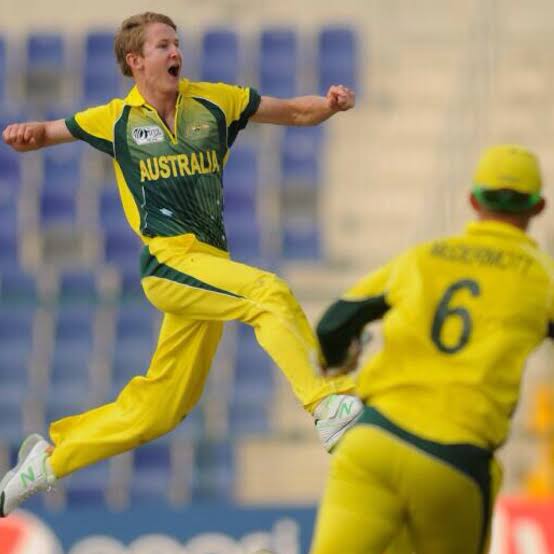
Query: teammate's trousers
198 288
384 480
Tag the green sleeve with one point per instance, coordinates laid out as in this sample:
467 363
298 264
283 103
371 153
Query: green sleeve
344 321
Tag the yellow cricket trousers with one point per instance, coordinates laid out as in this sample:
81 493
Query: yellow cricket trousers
384 481
197 287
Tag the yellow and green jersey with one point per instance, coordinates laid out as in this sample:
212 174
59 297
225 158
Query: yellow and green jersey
171 182
460 316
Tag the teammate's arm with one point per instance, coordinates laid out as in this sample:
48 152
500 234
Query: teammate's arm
33 135
341 325
304 110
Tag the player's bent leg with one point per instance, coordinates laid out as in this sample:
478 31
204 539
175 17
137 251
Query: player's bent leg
205 284
32 474
283 331
149 406
209 286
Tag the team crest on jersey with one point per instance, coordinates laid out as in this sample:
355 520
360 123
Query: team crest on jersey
197 130
147 135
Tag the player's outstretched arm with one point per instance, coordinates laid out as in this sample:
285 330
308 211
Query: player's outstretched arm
304 110
33 135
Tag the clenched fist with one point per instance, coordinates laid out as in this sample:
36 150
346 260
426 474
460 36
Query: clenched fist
340 98
25 136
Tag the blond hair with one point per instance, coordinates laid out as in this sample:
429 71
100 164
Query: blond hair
130 36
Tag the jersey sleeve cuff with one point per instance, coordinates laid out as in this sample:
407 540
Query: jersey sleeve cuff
250 109
253 104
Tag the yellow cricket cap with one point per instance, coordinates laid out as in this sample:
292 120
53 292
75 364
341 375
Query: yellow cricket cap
507 178
508 167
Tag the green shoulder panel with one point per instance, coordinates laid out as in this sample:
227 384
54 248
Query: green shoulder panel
100 144
249 111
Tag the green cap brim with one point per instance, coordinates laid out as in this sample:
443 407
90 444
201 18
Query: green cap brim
505 200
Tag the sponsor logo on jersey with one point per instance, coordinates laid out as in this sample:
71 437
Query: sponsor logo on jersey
178 165
147 135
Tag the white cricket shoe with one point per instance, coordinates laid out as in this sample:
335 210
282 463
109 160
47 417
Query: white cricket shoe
334 415
32 474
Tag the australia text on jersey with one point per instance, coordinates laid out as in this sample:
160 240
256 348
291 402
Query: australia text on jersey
175 165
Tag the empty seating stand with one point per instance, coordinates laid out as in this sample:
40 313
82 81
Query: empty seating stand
278 62
220 56
101 79
45 68
337 60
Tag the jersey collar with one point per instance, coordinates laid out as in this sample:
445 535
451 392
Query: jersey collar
498 228
135 98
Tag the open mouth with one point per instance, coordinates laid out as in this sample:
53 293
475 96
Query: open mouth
174 70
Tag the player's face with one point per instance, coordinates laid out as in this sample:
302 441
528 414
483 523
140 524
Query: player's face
161 57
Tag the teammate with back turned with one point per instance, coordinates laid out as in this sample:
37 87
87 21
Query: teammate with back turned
170 139
460 316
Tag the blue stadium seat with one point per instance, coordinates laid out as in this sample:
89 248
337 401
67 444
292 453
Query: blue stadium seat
17 287
87 487
9 202
110 210
78 286
300 156
73 348
3 70
61 167
130 288
301 241
14 372
249 417
9 255
75 326
337 58
152 471
253 386
214 471
244 236
127 363
57 207
191 428
11 418
46 65
122 248
16 343
254 369
59 405
61 181
101 84
101 77
220 56
10 164
99 47
278 63
134 343
241 180
45 50
136 324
